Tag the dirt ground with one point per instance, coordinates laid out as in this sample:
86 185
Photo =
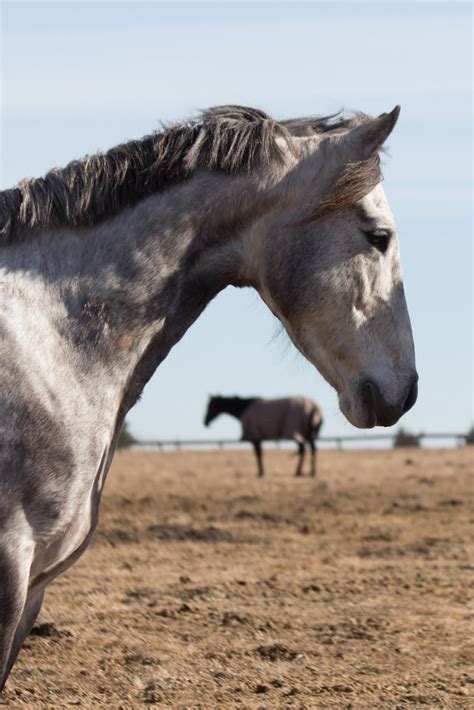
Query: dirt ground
208 588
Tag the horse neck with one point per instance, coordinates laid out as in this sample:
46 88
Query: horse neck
235 406
119 295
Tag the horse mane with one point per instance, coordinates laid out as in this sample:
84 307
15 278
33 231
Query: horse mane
231 139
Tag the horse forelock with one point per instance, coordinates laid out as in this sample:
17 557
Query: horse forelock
230 139
354 182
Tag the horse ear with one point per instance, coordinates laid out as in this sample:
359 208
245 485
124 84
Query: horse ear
362 142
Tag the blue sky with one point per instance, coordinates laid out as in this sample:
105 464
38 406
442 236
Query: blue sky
79 77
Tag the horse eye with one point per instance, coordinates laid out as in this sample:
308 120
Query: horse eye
378 238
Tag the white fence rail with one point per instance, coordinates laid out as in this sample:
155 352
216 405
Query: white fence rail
336 442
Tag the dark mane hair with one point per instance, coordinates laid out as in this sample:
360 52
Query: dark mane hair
231 139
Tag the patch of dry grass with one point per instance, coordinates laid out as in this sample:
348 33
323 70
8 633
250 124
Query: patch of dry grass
206 587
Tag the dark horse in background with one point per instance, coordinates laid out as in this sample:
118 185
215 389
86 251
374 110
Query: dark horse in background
294 418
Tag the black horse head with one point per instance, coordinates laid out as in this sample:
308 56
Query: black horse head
234 406
213 409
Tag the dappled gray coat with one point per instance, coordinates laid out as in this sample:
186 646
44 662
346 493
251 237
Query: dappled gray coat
289 418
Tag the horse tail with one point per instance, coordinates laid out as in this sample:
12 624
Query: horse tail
315 422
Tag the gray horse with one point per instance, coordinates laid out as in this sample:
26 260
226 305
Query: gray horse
106 263
294 418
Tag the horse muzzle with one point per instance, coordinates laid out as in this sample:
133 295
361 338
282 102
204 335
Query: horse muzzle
368 406
378 411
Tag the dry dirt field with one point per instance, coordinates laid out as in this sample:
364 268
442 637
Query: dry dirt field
208 588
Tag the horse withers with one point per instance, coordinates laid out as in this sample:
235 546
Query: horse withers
288 418
106 263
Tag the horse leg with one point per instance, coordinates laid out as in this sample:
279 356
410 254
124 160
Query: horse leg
314 450
14 575
301 449
30 613
257 445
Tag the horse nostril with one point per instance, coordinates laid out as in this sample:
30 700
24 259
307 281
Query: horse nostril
368 394
379 411
412 395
